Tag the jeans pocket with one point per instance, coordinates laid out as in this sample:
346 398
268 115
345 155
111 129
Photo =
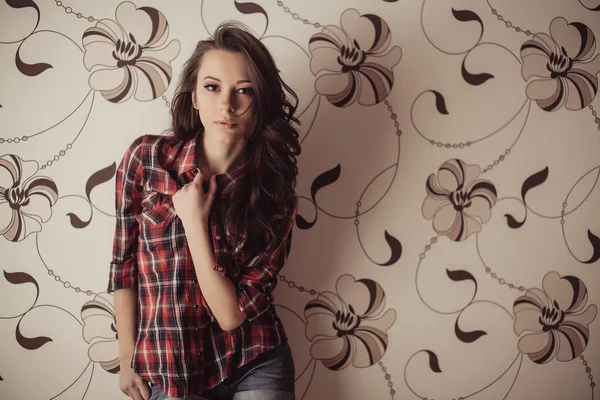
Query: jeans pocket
274 371
157 393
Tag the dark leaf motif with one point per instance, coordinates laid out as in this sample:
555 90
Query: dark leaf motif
99 177
468 16
390 1
30 343
460 275
467 337
19 278
303 224
77 222
325 179
595 240
252 8
512 222
474 79
1 379
29 69
23 67
25 4
534 180
433 362
440 102
396 248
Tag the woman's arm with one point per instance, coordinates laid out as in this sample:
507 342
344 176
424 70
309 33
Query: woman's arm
123 268
219 291
231 304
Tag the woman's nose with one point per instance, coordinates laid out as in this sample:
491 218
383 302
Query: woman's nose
227 102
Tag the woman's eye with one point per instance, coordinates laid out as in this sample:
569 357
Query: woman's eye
211 88
249 91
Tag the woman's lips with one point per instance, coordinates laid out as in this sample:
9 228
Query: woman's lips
227 125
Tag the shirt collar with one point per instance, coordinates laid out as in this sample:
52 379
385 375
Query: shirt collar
187 157
188 165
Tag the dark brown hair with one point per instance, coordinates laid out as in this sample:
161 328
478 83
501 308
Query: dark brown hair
263 199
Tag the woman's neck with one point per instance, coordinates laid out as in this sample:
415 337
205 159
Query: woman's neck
215 158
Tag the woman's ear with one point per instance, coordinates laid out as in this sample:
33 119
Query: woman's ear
194 99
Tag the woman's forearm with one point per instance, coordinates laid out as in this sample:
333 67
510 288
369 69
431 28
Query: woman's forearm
126 318
219 292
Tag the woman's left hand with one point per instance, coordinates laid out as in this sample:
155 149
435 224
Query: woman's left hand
193 204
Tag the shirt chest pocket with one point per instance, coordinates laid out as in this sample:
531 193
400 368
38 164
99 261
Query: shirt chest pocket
157 209
156 220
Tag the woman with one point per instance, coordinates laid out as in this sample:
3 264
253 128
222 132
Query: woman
204 225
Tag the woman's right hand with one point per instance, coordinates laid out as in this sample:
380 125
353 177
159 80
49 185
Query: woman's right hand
132 384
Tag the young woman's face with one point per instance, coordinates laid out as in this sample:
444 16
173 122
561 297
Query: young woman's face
224 96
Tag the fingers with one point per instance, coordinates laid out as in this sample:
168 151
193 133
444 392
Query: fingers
137 389
130 392
209 185
199 177
135 394
212 186
144 390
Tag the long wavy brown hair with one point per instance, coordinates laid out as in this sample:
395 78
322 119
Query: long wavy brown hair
262 200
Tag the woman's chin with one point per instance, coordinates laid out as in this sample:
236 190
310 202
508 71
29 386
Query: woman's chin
225 136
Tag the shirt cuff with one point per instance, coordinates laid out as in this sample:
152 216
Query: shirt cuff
252 302
122 276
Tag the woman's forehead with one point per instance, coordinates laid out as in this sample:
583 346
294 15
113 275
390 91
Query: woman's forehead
225 66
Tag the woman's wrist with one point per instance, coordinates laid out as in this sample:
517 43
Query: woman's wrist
125 356
196 229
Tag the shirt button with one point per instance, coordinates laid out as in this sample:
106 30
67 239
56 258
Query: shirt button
218 237
220 269
197 328
195 305
199 353
194 281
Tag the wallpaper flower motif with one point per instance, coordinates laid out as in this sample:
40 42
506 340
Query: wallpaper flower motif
128 56
563 63
558 317
100 331
25 200
457 201
354 62
350 326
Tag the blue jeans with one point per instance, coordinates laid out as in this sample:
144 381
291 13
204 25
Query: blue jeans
268 377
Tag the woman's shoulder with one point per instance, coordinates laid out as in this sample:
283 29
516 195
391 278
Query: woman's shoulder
148 148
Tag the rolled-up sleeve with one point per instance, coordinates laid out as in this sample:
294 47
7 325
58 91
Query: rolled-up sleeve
258 279
128 191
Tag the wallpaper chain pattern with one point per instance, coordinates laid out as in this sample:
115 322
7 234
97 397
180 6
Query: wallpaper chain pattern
471 268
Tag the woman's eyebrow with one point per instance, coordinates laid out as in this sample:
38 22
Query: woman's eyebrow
218 80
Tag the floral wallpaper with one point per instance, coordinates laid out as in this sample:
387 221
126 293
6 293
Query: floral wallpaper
448 240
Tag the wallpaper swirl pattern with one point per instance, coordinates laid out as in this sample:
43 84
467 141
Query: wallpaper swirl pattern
448 240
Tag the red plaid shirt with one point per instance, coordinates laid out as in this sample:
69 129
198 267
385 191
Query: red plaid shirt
180 346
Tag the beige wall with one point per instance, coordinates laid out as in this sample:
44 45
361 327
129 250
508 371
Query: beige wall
448 181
